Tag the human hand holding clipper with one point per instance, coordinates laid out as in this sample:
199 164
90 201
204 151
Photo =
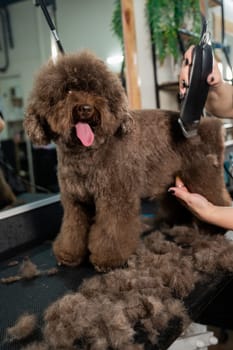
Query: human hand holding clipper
194 90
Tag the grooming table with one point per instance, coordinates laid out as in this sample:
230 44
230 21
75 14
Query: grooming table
35 295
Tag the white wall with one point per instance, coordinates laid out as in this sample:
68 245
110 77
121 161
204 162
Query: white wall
228 9
166 72
25 56
87 24
144 56
81 24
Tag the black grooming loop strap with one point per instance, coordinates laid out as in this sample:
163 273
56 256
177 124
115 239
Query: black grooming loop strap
51 25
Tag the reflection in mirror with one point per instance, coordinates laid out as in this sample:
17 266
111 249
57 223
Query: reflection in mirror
27 172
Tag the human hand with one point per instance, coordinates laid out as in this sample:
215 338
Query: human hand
2 124
195 202
214 79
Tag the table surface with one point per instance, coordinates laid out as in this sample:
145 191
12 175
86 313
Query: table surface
35 295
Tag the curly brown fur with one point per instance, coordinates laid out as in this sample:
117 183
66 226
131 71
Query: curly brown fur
23 328
225 259
118 157
209 253
91 320
213 255
100 318
109 309
28 269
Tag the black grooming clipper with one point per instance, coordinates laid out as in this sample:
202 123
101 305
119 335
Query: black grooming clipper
196 95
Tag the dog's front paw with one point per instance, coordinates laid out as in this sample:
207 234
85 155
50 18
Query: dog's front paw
108 269
107 265
109 250
68 254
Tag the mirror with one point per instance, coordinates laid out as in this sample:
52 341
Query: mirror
28 173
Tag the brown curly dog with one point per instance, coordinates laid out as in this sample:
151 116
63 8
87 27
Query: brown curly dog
109 158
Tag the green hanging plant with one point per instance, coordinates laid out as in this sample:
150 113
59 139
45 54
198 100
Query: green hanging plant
165 18
116 23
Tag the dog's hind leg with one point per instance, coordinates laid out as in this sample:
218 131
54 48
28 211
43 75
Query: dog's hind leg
204 172
70 246
115 234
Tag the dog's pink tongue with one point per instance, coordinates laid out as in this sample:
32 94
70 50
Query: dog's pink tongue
85 134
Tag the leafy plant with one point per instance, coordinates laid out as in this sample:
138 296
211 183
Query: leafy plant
116 23
165 18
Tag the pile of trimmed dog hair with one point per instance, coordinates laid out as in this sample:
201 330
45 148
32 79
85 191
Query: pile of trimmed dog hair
110 309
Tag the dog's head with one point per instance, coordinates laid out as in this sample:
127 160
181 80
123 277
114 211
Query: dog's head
76 101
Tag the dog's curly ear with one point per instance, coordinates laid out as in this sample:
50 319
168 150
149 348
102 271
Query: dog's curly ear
37 129
127 124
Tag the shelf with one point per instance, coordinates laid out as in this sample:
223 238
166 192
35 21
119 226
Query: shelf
228 125
169 86
187 33
213 3
14 121
228 143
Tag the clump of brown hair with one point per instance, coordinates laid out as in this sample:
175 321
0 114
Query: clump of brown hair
23 328
27 271
109 309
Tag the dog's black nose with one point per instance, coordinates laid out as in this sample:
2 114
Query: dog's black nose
85 111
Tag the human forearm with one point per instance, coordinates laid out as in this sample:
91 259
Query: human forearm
220 216
2 124
201 207
220 100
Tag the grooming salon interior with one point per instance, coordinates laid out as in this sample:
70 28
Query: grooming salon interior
142 42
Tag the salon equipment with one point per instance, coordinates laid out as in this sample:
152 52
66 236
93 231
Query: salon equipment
196 95
51 25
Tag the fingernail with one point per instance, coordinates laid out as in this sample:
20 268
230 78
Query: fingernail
185 85
181 95
171 191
